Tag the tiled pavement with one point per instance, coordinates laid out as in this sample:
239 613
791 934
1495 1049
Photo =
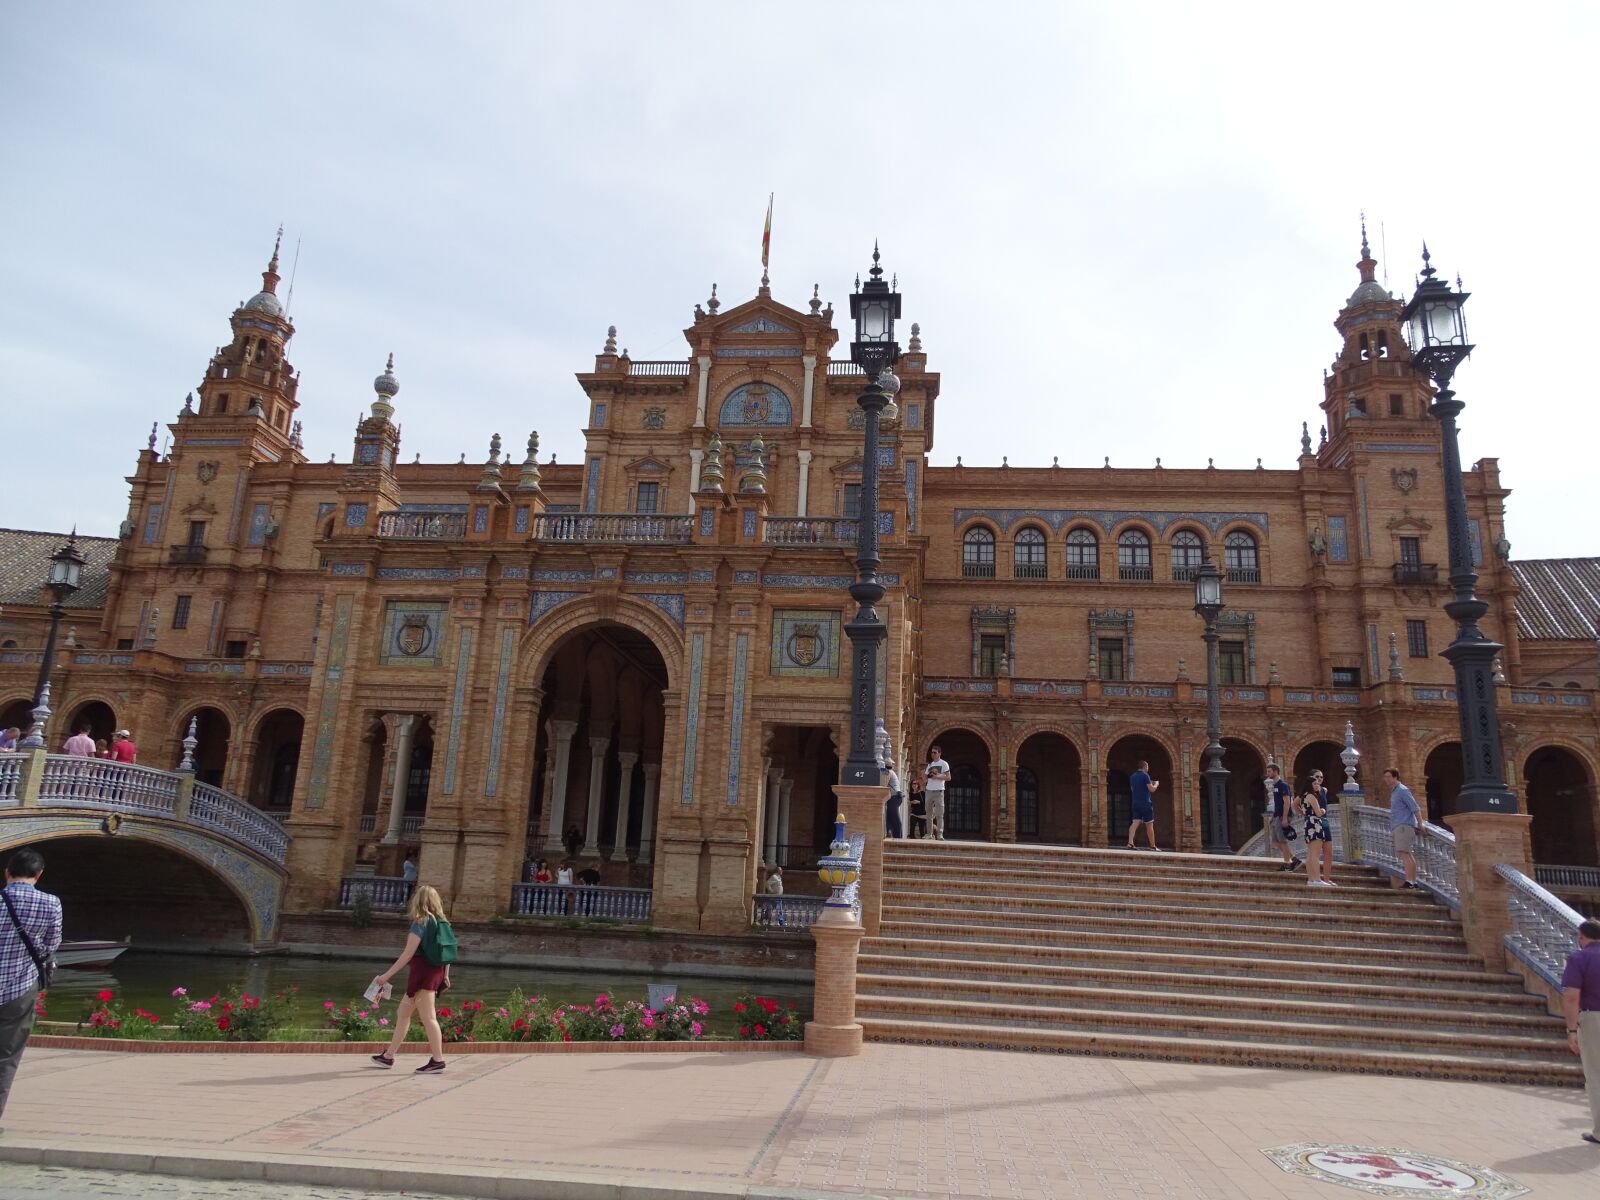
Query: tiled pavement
897 1121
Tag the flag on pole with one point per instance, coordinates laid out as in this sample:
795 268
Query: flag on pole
766 233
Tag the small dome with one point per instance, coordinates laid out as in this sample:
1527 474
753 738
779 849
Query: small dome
265 302
1370 291
386 384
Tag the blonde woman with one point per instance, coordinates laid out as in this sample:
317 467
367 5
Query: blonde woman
429 938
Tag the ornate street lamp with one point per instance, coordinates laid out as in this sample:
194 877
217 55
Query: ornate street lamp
1437 332
874 307
1208 606
66 569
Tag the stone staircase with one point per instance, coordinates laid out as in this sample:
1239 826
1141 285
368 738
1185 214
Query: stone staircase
1190 958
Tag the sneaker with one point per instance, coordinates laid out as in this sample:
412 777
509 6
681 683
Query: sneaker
939 836
382 1060
1412 887
432 1067
1286 867
1589 1137
1299 864
1318 883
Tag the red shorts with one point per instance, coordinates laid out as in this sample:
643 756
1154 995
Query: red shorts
423 976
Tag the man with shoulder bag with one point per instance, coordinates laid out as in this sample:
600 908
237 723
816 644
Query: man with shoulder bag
30 935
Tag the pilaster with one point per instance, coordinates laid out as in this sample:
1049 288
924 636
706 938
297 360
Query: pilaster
1483 841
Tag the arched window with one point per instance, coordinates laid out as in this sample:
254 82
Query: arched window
1027 803
1188 552
1366 348
1028 554
1133 556
977 554
1083 555
1239 555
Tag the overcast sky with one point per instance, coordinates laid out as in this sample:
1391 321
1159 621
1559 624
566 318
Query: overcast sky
1125 229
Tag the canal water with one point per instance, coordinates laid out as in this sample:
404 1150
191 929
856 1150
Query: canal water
145 979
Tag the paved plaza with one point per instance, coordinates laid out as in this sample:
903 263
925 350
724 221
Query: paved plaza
897 1121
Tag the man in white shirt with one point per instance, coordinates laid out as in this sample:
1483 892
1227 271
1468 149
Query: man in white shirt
936 773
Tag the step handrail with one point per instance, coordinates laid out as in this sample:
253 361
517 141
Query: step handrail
1435 853
1544 929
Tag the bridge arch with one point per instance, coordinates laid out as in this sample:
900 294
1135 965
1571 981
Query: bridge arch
107 871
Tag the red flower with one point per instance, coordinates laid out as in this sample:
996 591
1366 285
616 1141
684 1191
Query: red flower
222 1022
767 1006
105 996
566 1037
738 1007
744 1031
761 1031
444 1012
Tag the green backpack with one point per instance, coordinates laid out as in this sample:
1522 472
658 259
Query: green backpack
439 943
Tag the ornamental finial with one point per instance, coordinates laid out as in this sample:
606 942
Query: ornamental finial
816 299
713 304
916 338
611 340
1305 438
1365 253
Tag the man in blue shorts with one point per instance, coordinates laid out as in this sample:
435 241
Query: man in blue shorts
1144 807
1280 820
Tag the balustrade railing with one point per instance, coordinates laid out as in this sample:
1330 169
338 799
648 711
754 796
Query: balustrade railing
581 901
785 914
610 527
1435 852
1543 929
1184 574
1136 574
811 531
410 825
389 893
101 783
1030 571
214 808
423 526
1244 574
977 570
10 779
658 366
1557 876
844 368
1083 571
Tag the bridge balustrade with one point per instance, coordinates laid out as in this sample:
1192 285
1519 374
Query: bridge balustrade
69 780
216 809
581 901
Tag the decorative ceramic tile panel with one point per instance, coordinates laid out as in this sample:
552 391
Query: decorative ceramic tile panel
543 602
678 577
346 568
672 605
756 404
691 720
413 633
805 643
333 682
419 573
458 704
741 672
260 518
355 515
1338 539
497 726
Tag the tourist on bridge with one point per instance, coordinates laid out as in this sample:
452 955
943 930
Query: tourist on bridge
8 739
1580 1004
80 744
1405 822
934 775
1313 806
123 748
1144 806
430 949
1280 820
30 934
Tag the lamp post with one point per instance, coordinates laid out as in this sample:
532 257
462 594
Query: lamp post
874 308
1208 606
66 568
1437 331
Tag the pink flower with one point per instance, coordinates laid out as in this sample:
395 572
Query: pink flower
696 1028
383 1021
616 1031
649 1022
327 1004
701 1008
200 1005
180 991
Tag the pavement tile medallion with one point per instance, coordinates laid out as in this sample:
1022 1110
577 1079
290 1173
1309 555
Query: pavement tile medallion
1380 1172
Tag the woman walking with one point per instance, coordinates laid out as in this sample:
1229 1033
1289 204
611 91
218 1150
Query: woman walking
1319 837
430 949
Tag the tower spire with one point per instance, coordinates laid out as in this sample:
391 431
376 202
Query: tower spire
1366 266
270 277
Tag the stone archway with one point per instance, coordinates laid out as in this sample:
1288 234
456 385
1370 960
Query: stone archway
967 796
1247 770
277 760
1559 794
1121 761
1442 775
1320 756
96 715
18 715
1049 793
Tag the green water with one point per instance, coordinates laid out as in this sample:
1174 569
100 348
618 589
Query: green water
146 980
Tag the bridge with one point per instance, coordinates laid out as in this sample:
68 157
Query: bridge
45 797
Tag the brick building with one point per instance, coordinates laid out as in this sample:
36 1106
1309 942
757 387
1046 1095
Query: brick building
644 648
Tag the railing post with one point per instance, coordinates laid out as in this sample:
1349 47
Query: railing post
185 793
862 810
1483 841
30 778
833 1031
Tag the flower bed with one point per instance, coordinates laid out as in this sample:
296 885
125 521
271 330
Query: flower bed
762 1019
238 1016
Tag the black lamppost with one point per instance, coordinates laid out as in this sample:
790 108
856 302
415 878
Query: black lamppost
874 308
66 567
1208 606
1437 331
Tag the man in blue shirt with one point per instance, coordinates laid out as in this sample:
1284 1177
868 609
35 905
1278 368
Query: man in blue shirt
1580 1002
1405 820
1279 818
30 928
1144 805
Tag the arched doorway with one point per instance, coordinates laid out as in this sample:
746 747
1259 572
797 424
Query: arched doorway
385 841
1560 797
966 796
277 760
212 731
600 722
95 715
1324 757
1121 762
18 714
1049 792
1247 770
1442 772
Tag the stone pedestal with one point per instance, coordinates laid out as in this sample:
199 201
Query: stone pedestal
862 810
832 1032
1484 840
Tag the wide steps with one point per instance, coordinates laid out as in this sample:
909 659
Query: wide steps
1296 945
1281 887
1492 996
1006 858
1344 1013
1428 1064
1227 924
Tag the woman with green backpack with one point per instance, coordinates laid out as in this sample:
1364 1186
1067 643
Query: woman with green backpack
430 949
